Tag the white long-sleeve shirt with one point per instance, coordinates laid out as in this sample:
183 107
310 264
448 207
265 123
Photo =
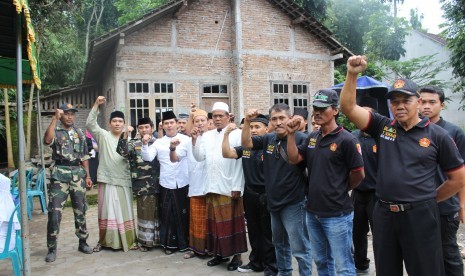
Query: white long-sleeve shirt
197 175
223 175
172 174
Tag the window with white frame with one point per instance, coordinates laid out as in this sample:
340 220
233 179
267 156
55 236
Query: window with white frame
149 99
292 94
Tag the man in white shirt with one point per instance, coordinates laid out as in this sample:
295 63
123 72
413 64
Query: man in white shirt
224 186
174 228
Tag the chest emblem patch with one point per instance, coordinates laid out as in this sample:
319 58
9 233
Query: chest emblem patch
424 142
375 148
333 147
270 148
246 153
312 143
389 133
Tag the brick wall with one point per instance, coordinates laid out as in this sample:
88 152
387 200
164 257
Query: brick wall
182 50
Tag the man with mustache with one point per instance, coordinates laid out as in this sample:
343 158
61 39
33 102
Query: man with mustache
285 190
335 166
406 217
67 177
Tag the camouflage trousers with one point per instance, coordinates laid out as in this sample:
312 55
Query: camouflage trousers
58 193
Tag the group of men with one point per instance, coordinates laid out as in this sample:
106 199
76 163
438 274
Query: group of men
196 185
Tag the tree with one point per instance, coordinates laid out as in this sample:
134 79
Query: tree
454 13
386 37
316 8
394 3
415 20
7 128
422 70
130 10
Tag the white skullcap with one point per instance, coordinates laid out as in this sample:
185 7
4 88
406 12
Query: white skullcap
220 106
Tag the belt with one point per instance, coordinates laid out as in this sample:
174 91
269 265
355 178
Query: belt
396 207
66 163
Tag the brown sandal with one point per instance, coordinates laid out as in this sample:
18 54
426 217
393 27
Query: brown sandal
97 248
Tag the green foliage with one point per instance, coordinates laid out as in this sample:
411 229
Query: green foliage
131 10
422 70
62 58
348 21
316 8
454 13
415 20
367 26
342 120
386 36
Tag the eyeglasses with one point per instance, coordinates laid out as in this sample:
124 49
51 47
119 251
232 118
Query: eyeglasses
277 154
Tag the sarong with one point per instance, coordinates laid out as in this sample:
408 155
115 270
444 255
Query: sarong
225 226
115 217
198 224
148 224
174 224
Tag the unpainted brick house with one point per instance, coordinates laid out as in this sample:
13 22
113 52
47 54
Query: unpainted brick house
247 53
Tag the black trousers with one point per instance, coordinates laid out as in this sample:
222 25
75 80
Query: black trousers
453 263
364 203
262 257
412 236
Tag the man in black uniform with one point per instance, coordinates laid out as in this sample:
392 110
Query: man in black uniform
335 166
285 191
262 257
451 210
406 217
363 196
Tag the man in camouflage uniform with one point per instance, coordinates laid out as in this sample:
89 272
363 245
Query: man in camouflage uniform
145 184
67 177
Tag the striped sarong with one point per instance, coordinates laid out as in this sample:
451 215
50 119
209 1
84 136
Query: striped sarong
148 224
174 221
198 224
225 226
115 217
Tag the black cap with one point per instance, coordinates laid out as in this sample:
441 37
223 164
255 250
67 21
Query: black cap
302 112
325 98
242 121
260 119
210 115
67 107
404 86
168 115
144 121
183 116
116 114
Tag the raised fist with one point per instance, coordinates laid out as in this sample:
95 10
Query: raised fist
251 114
58 113
174 143
230 128
100 100
356 64
293 125
145 139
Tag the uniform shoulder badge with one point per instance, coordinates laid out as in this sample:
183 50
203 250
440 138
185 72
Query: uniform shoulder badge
359 148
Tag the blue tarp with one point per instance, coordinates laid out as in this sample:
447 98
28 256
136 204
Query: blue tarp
369 87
